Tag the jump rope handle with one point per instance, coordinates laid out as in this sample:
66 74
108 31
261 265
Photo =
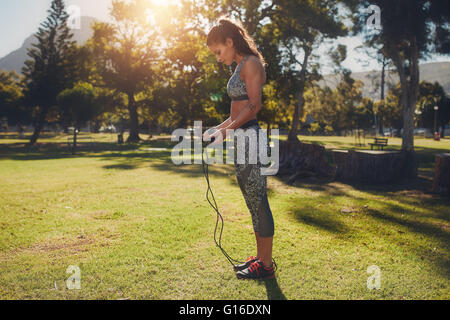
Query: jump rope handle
205 143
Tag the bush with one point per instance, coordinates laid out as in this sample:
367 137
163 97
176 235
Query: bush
314 128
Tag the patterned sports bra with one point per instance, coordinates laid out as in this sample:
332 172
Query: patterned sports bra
236 86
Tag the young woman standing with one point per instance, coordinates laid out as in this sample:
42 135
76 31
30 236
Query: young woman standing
230 42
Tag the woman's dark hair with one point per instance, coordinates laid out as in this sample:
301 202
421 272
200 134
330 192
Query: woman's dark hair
242 41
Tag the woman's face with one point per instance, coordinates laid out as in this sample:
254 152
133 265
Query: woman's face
224 52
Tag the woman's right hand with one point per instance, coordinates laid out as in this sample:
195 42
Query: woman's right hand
208 133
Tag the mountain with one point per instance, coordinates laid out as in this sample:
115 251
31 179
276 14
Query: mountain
16 59
430 72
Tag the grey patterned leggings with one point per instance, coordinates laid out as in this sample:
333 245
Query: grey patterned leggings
252 183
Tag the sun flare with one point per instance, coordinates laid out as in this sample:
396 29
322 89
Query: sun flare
163 2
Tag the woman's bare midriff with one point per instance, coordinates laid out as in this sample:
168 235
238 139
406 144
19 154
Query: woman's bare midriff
237 107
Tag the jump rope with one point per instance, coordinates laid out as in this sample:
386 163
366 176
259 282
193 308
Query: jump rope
214 205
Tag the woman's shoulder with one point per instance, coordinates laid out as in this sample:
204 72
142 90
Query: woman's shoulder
253 64
253 60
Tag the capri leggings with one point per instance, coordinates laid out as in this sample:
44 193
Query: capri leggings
253 184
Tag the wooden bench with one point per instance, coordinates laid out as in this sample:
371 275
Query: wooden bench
380 142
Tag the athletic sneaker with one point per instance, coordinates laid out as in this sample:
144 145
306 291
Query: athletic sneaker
256 270
245 265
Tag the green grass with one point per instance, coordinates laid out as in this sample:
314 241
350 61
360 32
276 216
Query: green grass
139 227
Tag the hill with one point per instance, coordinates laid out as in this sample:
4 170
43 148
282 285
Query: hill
430 72
16 59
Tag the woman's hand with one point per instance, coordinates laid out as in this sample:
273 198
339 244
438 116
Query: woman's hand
208 133
218 136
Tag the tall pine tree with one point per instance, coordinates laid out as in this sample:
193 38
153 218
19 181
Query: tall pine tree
49 70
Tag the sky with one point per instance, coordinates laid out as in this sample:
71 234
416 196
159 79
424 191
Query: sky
21 18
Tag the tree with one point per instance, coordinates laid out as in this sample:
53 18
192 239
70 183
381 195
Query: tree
431 95
11 98
125 52
410 30
392 110
321 105
374 52
302 26
343 108
50 69
78 106
187 86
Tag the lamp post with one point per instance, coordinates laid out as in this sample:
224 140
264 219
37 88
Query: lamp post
435 117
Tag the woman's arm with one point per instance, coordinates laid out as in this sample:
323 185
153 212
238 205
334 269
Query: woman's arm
224 124
210 132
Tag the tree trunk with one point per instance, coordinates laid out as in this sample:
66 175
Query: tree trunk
74 146
298 112
378 123
409 81
381 127
134 122
97 126
303 159
296 118
39 126
383 77
441 181
371 167
410 94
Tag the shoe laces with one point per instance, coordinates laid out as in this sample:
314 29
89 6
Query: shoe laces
255 266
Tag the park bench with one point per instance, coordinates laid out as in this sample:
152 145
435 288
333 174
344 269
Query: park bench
380 142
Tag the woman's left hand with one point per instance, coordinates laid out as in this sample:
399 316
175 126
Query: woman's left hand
218 136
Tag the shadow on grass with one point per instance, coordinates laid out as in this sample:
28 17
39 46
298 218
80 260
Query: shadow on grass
405 219
26 138
320 219
120 166
128 156
273 290
50 151
438 231
397 207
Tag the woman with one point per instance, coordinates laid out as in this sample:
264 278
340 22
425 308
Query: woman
230 42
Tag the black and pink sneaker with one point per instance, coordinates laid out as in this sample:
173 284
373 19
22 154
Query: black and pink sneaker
256 271
245 265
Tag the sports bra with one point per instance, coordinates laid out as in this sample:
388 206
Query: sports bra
236 86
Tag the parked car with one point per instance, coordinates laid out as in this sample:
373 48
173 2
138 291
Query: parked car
388 132
71 129
108 129
420 131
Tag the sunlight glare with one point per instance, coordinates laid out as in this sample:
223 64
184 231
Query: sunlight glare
160 11
163 2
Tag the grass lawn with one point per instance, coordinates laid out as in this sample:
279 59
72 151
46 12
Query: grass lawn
139 227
